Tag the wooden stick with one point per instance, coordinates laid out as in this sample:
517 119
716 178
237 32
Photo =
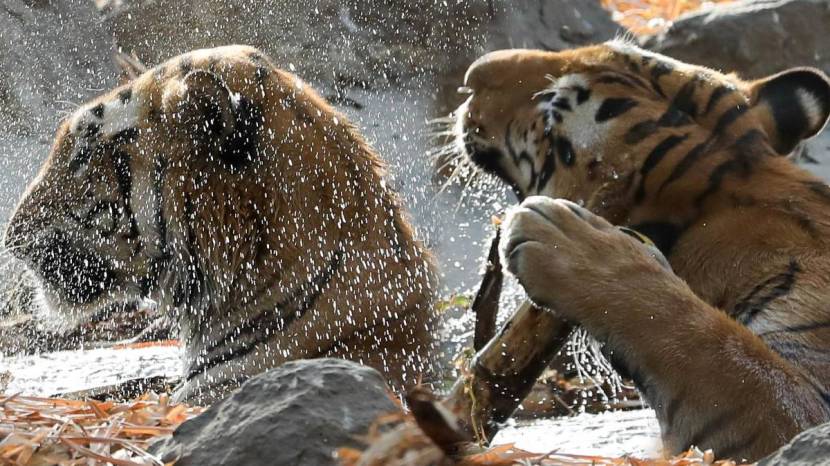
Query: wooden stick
486 303
503 372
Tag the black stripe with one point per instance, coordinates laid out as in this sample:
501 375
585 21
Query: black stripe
562 103
548 165
670 410
87 221
803 356
819 188
664 235
158 263
268 324
185 65
582 94
685 164
654 157
617 79
125 136
715 97
565 150
640 131
798 328
518 158
97 111
124 178
657 71
241 147
630 63
125 95
683 107
727 118
802 218
763 294
745 151
613 107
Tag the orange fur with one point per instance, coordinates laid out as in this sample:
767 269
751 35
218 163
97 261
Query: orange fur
295 240
731 349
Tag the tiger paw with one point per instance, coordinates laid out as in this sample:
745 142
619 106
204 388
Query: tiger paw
571 260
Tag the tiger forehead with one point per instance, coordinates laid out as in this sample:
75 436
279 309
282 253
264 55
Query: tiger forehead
654 66
107 116
123 108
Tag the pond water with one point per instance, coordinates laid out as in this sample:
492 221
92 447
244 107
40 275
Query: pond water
608 434
613 434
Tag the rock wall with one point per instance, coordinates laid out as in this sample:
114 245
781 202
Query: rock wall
370 43
53 55
754 38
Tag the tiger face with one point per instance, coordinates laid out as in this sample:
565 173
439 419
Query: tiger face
77 226
594 124
92 225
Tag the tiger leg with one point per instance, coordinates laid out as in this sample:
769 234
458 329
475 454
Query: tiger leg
712 383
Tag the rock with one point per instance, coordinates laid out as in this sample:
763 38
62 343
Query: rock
298 413
754 38
809 448
53 55
550 25
332 43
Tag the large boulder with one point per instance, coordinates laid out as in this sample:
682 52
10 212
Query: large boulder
369 43
809 448
550 25
755 38
298 413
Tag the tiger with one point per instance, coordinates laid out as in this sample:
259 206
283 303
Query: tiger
729 340
230 194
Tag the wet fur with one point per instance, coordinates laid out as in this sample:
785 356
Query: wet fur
246 206
731 349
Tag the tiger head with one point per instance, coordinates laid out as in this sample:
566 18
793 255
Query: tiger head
195 157
615 127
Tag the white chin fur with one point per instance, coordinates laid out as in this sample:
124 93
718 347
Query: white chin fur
55 316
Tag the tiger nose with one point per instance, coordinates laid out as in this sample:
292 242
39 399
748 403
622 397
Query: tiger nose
508 67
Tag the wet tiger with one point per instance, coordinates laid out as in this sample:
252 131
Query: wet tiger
232 195
732 348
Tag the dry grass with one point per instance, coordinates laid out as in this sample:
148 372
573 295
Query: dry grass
652 16
50 431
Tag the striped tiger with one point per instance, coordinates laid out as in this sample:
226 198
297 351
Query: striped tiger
232 195
731 345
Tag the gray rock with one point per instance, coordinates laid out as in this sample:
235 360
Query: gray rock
809 448
550 24
754 38
333 43
298 413
53 54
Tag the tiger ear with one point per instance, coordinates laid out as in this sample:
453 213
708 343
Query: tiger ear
130 67
792 105
203 104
